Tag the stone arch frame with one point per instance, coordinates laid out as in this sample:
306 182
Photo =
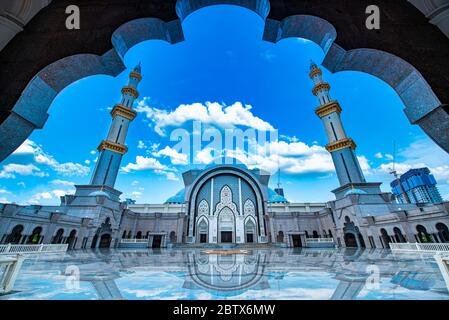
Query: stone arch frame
192 194
422 106
253 220
202 218
206 205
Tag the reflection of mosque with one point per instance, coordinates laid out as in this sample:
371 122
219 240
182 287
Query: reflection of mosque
250 272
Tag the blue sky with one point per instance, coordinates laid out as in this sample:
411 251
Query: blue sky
222 65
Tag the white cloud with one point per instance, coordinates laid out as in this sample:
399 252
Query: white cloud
4 191
211 113
141 145
59 193
364 165
4 200
10 170
168 174
175 157
63 183
136 194
135 183
21 184
93 152
35 199
87 162
144 163
28 147
379 155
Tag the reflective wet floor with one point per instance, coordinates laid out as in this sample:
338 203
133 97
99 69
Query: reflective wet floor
250 274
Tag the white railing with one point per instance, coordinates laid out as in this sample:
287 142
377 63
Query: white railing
9 270
420 247
134 241
320 240
8 249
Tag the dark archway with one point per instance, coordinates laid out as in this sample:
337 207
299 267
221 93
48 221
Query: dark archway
173 237
57 239
16 235
330 234
398 235
124 234
35 237
443 232
280 237
71 240
139 235
385 238
423 236
350 240
105 241
315 234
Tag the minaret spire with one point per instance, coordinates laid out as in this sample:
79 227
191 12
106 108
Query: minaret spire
113 147
340 146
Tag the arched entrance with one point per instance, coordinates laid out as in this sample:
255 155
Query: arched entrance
203 230
57 239
398 235
71 240
105 241
280 237
35 237
443 232
385 238
352 236
226 226
16 235
173 237
139 235
423 236
250 231
350 240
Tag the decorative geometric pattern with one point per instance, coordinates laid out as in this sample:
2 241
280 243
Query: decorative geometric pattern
203 208
226 201
249 208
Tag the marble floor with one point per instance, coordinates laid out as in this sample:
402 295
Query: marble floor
250 274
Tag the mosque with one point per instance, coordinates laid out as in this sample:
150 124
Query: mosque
226 203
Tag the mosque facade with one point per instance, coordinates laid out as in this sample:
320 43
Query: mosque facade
226 203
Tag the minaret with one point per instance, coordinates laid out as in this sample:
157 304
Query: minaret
340 146
113 147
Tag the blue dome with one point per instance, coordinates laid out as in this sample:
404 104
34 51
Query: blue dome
177 198
354 191
273 197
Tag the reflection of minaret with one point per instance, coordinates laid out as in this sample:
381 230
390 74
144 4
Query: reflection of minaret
279 190
340 146
106 289
348 288
113 148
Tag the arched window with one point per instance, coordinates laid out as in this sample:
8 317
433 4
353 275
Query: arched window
16 235
173 237
57 239
139 235
330 234
71 240
385 238
398 235
315 234
443 232
124 234
35 237
307 234
423 235
280 236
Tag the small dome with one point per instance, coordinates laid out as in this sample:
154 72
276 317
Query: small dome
99 194
273 197
354 191
177 198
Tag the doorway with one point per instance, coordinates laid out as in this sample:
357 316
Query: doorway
157 242
105 241
203 238
249 238
296 239
226 236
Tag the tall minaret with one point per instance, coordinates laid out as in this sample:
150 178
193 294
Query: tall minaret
113 148
340 146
